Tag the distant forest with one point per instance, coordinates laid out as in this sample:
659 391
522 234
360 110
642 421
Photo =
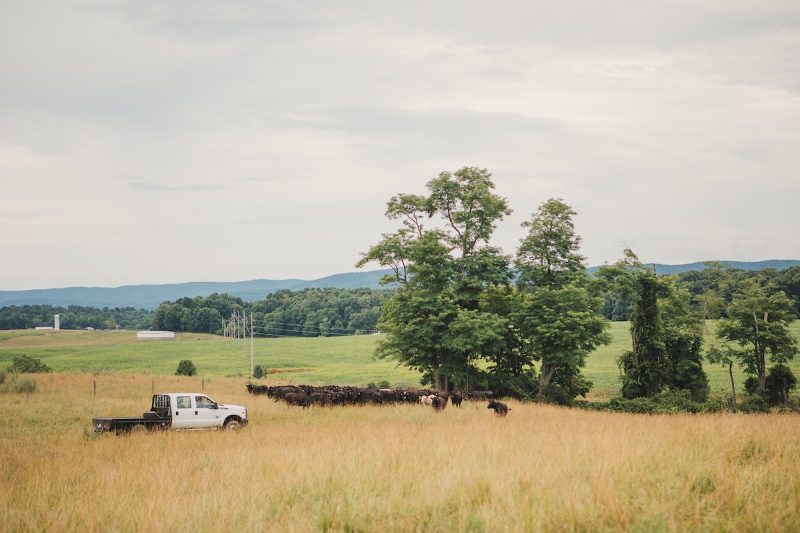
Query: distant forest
74 317
306 313
712 289
332 311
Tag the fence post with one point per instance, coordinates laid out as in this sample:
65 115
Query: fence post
203 385
153 386
94 388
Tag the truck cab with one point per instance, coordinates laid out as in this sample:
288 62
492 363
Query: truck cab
192 410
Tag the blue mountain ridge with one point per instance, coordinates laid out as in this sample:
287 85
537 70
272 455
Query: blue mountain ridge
150 296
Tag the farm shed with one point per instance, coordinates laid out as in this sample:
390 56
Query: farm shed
156 335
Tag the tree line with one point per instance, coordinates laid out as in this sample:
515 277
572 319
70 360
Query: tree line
712 289
306 313
74 317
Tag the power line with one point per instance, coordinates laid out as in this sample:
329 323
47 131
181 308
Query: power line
299 333
270 322
267 335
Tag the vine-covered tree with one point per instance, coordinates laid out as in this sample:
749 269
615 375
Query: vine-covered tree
646 366
666 335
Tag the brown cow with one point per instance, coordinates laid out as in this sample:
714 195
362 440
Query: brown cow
297 398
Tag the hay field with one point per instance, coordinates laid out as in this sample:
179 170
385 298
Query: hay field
403 468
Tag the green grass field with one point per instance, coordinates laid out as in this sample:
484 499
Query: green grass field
339 360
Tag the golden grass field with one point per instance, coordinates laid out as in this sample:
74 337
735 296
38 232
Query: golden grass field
402 468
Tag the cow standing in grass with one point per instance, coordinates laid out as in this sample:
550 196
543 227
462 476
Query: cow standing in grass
434 400
500 409
297 398
456 398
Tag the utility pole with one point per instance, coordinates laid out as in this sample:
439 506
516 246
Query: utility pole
244 336
252 359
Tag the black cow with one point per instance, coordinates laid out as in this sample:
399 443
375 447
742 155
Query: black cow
257 389
500 409
456 398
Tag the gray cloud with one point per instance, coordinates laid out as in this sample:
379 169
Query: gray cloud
158 187
671 127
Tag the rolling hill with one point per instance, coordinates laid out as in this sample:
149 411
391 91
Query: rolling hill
150 296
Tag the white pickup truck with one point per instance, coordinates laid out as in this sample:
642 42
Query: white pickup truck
178 410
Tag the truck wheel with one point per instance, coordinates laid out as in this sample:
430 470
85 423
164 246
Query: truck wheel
232 425
138 428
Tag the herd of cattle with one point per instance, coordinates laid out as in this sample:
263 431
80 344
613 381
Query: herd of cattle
328 395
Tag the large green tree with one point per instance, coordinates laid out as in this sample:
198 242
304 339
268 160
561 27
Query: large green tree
757 330
557 315
548 255
443 263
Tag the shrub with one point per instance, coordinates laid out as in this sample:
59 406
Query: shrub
259 372
2 376
26 386
753 403
28 364
186 368
750 385
779 383
671 401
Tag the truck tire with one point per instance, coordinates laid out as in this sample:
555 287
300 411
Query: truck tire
138 428
232 425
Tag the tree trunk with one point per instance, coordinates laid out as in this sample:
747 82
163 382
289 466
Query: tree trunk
441 380
544 379
761 363
733 385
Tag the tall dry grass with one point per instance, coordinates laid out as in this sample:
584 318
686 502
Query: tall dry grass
402 468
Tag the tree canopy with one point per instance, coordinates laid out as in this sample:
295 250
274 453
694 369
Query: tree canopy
458 317
757 330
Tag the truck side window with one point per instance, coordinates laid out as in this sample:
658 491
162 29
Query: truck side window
203 402
184 402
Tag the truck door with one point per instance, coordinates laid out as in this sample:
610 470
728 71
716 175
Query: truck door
183 412
208 413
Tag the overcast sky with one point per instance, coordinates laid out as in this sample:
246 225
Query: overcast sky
161 142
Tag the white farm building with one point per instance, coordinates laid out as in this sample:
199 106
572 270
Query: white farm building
156 335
